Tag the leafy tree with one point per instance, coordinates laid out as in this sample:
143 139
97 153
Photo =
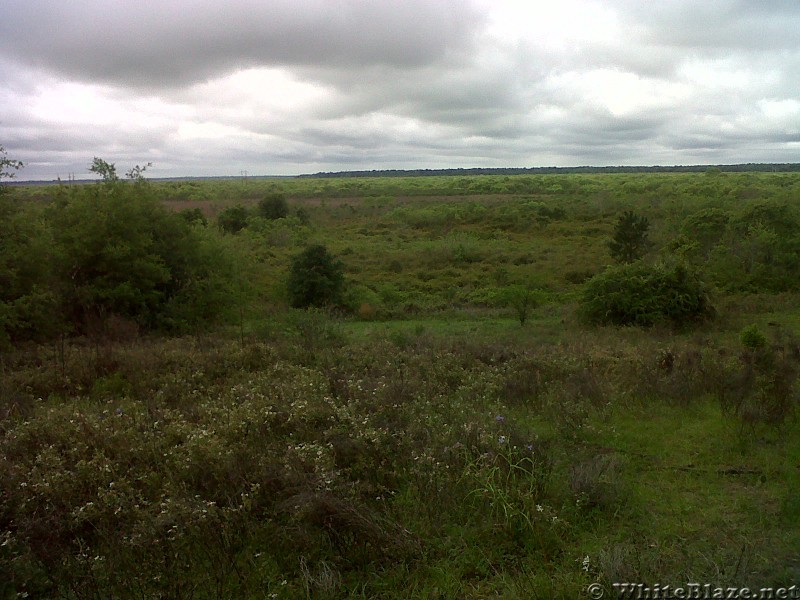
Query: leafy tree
136 174
8 167
121 252
316 279
233 219
523 299
273 206
630 240
106 170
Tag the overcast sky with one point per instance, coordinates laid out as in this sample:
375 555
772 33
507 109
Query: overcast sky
281 87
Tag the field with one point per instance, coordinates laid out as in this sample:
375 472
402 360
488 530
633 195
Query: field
454 426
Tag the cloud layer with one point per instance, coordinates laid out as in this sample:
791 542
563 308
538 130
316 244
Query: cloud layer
210 88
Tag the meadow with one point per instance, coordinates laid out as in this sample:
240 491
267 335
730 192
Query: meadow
453 426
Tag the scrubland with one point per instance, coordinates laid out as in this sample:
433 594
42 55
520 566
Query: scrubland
455 425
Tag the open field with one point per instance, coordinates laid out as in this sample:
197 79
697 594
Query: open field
415 440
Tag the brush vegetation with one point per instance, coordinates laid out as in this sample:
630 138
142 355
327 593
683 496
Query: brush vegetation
476 401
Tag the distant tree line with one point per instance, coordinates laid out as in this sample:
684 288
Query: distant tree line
740 168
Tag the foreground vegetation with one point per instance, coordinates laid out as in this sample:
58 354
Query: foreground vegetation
451 424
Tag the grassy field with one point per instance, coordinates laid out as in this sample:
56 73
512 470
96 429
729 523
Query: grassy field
418 441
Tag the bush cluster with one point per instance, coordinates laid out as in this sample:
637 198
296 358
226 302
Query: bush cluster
103 251
641 294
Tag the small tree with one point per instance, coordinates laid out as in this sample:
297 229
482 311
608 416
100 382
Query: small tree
136 174
630 240
8 167
106 170
316 278
273 206
523 299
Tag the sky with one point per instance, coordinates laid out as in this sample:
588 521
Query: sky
284 87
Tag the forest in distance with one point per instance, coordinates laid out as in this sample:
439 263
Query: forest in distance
466 171
435 385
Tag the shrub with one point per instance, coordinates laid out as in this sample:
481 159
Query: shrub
233 219
639 294
752 338
273 206
27 298
119 251
316 279
194 215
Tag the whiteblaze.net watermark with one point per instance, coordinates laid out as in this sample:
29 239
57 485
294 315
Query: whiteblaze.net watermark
692 591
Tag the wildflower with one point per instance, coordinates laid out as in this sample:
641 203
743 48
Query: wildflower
539 508
500 418
501 439
586 563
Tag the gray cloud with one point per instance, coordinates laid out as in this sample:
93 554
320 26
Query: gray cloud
155 44
201 87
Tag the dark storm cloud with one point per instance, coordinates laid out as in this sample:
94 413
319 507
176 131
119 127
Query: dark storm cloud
174 42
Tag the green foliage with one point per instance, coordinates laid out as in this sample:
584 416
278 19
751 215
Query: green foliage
194 216
429 448
630 241
763 248
115 250
136 174
28 290
106 170
639 294
233 219
316 279
273 206
8 166
523 299
706 229
104 252
303 216
752 337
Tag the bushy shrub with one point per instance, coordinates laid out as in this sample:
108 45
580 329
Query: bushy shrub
194 215
752 337
27 298
103 253
273 206
233 219
640 294
316 279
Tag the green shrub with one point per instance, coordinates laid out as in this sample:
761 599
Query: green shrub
27 299
118 251
316 279
233 219
639 294
273 206
194 215
752 338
